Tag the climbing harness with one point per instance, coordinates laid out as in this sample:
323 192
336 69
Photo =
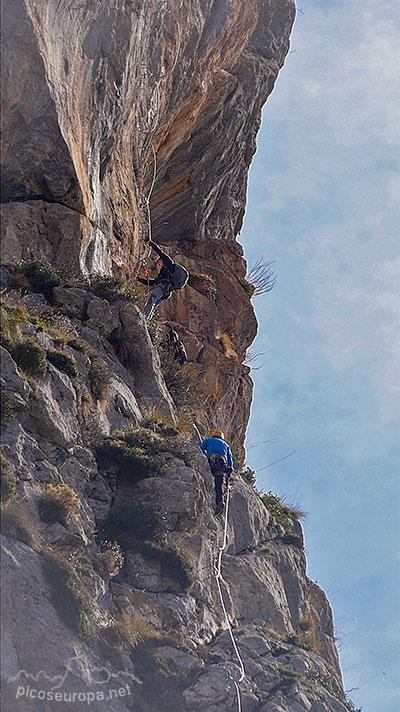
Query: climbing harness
218 578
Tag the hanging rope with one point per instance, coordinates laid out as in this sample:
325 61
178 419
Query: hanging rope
218 578
146 204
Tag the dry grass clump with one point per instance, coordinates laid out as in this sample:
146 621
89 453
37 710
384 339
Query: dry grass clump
17 523
58 503
227 345
129 347
13 315
127 631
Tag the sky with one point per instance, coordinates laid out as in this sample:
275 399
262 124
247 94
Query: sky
323 203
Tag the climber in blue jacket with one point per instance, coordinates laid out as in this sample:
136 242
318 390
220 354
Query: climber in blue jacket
220 460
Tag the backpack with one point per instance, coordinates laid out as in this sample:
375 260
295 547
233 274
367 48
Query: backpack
218 463
179 277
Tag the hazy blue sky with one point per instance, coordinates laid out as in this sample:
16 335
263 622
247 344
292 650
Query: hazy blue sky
324 204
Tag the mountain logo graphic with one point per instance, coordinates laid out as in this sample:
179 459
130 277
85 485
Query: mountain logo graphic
92 676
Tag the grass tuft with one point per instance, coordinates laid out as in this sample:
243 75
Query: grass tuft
282 512
69 595
99 377
29 357
58 503
38 275
126 632
8 480
7 408
63 362
227 345
180 381
141 528
17 522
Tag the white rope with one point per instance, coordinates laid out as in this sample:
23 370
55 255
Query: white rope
218 578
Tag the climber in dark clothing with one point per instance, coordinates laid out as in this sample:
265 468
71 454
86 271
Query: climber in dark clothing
170 277
221 464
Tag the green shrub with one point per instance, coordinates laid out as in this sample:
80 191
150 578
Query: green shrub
131 461
135 452
17 522
69 594
64 362
78 344
99 377
40 275
249 475
7 408
283 513
58 503
8 480
307 642
141 528
159 422
172 561
129 523
171 438
30 358
113 288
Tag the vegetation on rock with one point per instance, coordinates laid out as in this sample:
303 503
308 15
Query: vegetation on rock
58 503
17 522
141 528
69 595
99 376
7 409
63 361
29 357
8 482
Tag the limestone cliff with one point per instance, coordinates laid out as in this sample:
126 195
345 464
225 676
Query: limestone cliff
116 111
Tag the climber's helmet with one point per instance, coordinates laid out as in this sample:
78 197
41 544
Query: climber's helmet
217 434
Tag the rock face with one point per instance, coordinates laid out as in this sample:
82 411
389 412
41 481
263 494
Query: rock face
93 93
110 542
101 101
